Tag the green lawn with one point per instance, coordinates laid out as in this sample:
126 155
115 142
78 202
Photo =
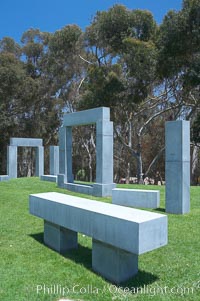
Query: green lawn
31 271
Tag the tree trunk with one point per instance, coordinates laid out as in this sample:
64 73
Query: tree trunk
139 162
194 165
90 166
128 173
139 169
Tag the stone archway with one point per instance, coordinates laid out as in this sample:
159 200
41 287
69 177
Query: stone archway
12 155
104 151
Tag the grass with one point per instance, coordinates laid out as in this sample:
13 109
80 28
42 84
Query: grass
30 271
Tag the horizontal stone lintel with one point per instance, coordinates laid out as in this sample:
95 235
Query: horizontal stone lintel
26 142
86 117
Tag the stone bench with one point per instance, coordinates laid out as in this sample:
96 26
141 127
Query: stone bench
119 234
136 198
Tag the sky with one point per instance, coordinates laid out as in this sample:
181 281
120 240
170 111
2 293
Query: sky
17 16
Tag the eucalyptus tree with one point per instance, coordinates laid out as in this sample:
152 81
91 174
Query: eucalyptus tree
179 64
41 117
121 74
179 54
64 67
12 76
8 45
130 68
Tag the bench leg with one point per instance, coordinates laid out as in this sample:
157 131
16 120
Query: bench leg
59 238
112 263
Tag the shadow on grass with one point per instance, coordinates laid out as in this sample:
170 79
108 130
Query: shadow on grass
139 282
160 209
83 256
38 236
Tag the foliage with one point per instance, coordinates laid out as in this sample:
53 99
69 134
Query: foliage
196 130
63 66
81 175
8 45
12 78
120 42
179 47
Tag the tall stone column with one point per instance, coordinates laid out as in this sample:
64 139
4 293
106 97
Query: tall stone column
62 152
69 175
65 156
54 160
12 161
177 166
39 169
104 158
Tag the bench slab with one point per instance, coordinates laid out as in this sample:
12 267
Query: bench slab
136 231
119 234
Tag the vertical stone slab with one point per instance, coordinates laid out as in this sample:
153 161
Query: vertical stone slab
62 150
61 180
177 166
104 158
112 263
12 162
54 160
65 155
59 238
39 168
70 178
104 149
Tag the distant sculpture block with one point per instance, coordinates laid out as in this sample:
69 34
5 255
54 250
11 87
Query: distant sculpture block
104 149
49 178
4 178
80 188
12 155
136 198
177 166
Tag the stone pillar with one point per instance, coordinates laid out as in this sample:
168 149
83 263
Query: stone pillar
39 168
62 152
58 238
104 158
69 175
112 263
54 160
65 156
177 166
12 161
